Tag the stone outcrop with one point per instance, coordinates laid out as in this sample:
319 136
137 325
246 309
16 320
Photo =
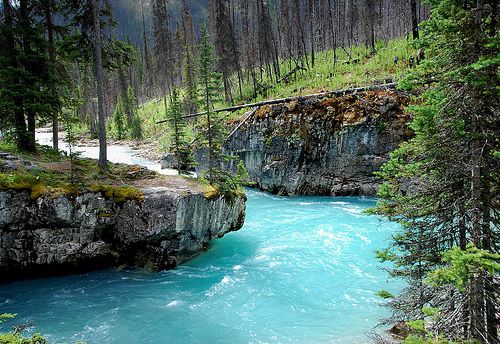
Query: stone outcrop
88 231
320 146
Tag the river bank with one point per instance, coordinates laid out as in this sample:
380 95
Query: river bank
125 152
60 215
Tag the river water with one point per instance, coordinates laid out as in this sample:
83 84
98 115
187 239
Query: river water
302 270
116 153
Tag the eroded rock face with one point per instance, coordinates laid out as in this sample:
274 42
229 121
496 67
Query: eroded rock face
326 146
70 234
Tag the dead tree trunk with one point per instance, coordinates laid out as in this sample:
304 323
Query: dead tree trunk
100 85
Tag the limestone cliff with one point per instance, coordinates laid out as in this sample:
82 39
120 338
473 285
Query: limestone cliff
82 232
321 146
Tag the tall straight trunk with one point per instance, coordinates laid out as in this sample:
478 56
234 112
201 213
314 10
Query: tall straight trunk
462 234
100 85
333 30
476 289
147 62
49 8
311 29
122 82
29 136
414 19
209 124
490 292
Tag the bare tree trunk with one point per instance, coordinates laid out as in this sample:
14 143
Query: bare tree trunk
463 246
490 292
100 85
147 62
311 29
414 18
29 136
52 61
476 301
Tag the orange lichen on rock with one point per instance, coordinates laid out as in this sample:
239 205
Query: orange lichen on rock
263 111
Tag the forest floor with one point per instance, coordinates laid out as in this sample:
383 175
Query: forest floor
354 67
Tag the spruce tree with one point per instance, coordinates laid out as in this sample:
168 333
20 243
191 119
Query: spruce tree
25 76
443 185
179 143
118 119
209 92
135 127
190 100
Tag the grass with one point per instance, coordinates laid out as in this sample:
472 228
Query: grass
324 76
53 174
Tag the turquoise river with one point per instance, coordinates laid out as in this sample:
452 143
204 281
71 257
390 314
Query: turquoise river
302 270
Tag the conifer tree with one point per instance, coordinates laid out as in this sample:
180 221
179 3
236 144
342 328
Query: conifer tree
118 119
443 185
163 48
190 100
98 63
24 72
209 93
135 126
179 144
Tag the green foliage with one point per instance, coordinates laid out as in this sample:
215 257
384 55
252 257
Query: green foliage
432 312
126 121
5 316
384 294
417 325
135 127
190 99
209 81
118 119
24 77
17 338
428 339
180 147
440 185
242 174
461 265
213 131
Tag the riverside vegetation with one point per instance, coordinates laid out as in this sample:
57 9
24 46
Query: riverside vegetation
442 185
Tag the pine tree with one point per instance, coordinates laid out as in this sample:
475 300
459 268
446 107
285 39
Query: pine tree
209 93
163 48
179 144
25 76
443 185
190 99
49 9
103 158
135 126
118 119
225 43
